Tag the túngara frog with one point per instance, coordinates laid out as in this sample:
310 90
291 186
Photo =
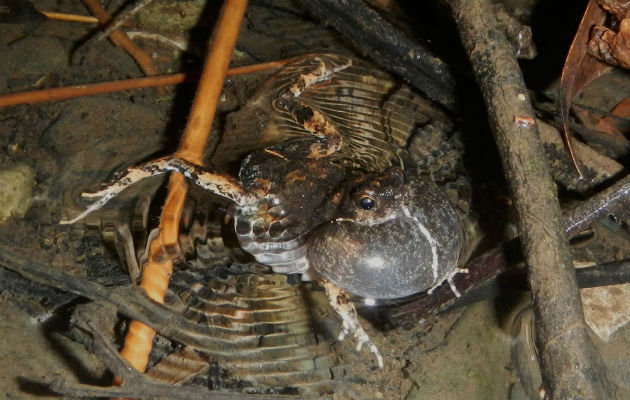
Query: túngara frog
326 186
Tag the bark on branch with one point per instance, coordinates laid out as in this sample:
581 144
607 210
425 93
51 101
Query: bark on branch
570 364
388 47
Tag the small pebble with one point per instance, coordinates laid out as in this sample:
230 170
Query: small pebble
16 188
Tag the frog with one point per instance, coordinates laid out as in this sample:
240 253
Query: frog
321 132
395 234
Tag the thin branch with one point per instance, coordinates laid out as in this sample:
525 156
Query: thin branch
120 39
158 270
68 92
613 200
157 390
571 367
70 17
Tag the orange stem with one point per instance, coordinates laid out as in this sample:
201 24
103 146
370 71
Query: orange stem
211 82
70 17
68 92
157 272
120 39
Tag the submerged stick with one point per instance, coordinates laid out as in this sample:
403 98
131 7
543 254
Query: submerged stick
379 40
121 19
120 39
159 268
571 367
69 92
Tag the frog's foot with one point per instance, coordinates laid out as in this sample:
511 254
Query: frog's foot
449 278
322 71
220 184
350 320
122 181
312 120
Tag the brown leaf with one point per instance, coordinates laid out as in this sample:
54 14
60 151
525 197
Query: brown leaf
579 68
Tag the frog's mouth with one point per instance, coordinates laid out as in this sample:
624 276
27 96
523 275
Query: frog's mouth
270 239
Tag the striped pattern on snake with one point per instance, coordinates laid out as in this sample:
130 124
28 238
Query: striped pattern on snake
268 333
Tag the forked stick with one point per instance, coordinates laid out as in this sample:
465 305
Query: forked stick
158 270
119 38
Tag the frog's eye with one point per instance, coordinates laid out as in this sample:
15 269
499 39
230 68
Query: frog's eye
367 203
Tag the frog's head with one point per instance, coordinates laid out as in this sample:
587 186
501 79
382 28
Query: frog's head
372 199
405 239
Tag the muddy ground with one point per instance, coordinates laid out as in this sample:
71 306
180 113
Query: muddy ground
51 152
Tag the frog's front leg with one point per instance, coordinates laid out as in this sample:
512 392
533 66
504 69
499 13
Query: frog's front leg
311 119
449 279
220 184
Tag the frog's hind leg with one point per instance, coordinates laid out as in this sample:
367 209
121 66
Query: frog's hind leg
312 120
220 184
350 320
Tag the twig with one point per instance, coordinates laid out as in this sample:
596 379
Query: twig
388 47
70 17
120 39
115 24
571 367
610 201
68 92
157 390
159 268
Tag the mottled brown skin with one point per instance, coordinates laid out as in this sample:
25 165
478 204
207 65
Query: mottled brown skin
300 197
406 239
335 132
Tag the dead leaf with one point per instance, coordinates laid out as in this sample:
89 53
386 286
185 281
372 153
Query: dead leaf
579 68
